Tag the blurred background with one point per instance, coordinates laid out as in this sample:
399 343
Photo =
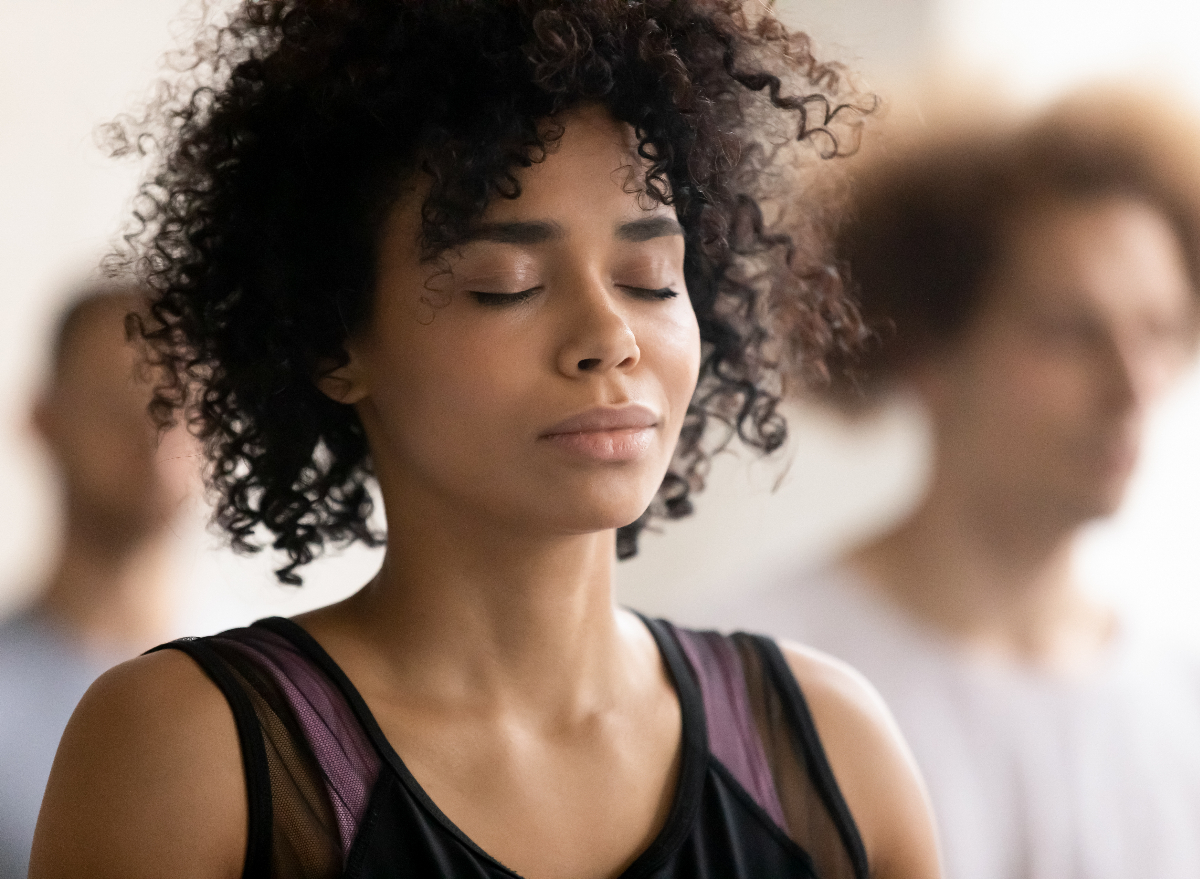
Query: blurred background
67 66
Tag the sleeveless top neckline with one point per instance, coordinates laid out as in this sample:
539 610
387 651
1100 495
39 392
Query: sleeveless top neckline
329 797
693 745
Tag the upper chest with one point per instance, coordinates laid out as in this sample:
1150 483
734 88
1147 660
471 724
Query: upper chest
580 797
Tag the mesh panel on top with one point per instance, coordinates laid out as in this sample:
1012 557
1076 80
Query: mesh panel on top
322 765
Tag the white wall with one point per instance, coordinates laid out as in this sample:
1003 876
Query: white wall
1035 48
884 40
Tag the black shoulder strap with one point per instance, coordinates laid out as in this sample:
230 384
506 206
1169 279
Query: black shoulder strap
254 753
801 721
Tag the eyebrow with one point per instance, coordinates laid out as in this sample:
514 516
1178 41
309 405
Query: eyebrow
528 232
650 227
541 231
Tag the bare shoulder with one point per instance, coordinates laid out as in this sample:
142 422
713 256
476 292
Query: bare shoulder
147 780
872 764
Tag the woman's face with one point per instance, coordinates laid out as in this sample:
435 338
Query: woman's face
537 378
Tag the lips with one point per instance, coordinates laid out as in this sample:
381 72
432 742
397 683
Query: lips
606 418
606 433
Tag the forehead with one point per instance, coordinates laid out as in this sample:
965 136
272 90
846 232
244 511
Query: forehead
592 167
590 182
1114 254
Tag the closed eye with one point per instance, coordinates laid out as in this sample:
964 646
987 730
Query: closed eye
502 299
648 293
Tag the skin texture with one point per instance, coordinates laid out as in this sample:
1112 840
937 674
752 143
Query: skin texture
537 715
1038 413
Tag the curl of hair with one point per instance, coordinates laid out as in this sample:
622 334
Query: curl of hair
280 149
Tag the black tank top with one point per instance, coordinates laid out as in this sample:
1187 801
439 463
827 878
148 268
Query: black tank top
329 797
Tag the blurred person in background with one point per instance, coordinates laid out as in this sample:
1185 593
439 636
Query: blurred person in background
1035 287
105 599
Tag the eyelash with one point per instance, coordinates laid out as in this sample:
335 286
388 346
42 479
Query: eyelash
494 299
662 293
502 299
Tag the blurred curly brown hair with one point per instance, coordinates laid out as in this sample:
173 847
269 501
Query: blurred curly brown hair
280 152
932 210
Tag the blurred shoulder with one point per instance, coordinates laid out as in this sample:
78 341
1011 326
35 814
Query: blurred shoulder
871 762
148 779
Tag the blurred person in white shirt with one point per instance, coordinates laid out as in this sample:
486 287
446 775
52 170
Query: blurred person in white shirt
106 598
1035 287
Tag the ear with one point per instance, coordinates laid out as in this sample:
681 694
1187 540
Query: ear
346 383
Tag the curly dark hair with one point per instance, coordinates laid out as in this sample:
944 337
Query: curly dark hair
281 150
931 213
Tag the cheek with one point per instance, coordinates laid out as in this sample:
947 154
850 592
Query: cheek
1060 386
1040 379
1034 397
428 387
675 343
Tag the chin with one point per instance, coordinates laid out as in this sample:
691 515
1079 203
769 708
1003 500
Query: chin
1108 505
1100 502
601 520
609 514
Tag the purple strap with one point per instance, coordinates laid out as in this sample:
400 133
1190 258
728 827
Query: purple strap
732 734
344 752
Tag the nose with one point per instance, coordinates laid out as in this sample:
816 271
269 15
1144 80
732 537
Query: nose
1139 372
597 335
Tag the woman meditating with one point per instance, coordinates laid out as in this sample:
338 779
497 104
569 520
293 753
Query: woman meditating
506 261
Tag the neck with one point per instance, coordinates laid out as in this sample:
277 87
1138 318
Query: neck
994 580
110 595
477 614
